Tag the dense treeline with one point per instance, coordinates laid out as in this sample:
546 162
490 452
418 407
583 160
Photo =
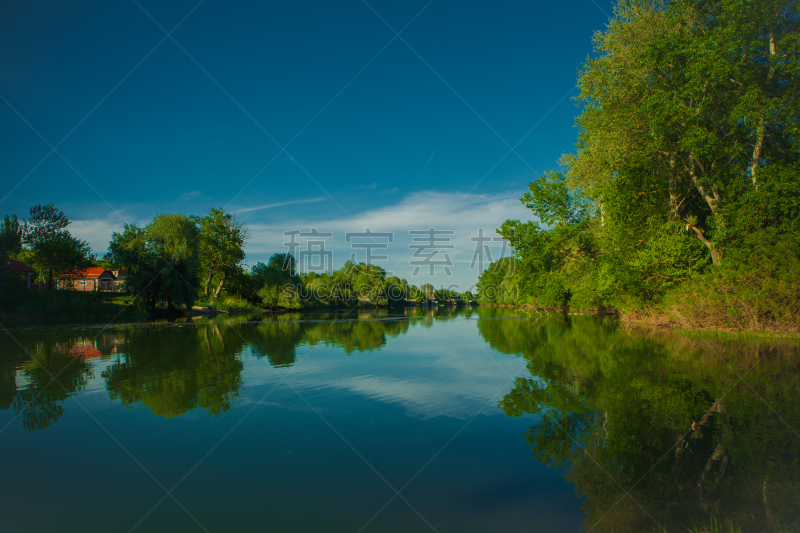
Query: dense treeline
682 198
177 261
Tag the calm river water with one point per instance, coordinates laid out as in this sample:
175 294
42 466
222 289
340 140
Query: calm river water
486 420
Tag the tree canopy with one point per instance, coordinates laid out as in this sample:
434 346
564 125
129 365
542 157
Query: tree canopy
56 251
686 162
220 246
11 233
162 259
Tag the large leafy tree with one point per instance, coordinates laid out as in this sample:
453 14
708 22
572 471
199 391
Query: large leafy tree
221 243
687 155
690 110
10 237
57 252
162 259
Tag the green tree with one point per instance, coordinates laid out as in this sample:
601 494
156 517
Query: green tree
222 238
688 153
689 108
427 290
57 252
277 281
10 237
162 260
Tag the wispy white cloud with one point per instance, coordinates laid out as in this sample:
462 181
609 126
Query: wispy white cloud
189 196
96 232
427 382
278 204
417 211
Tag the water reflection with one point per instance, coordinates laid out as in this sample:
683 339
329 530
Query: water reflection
181 365
179 371
695 429
39 402
666 416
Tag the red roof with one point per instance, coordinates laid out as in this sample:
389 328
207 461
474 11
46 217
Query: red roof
16 266
93 273
88 352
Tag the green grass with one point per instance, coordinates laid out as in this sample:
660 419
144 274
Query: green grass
715 525
70 306
736 335
231 304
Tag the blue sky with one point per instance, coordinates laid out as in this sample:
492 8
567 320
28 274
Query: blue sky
295 114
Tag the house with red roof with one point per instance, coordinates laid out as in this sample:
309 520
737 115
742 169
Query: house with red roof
89 279
18 266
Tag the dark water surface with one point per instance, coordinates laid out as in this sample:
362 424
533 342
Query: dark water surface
450 421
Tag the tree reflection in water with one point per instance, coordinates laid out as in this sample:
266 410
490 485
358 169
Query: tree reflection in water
52 378
173 368
664 416
661 415
176 370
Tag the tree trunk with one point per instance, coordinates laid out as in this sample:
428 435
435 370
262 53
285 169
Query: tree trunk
716 252
211 269
713 200
757 152
673 194
759 146
221 283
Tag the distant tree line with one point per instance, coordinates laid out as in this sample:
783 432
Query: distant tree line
176 261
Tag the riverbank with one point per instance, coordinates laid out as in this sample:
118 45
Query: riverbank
61 307
679 321
70 306
673 319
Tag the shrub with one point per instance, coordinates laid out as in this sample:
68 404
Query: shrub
757 287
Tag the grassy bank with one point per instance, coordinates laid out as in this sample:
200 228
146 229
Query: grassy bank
716 329
231 304
70 306
757 294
